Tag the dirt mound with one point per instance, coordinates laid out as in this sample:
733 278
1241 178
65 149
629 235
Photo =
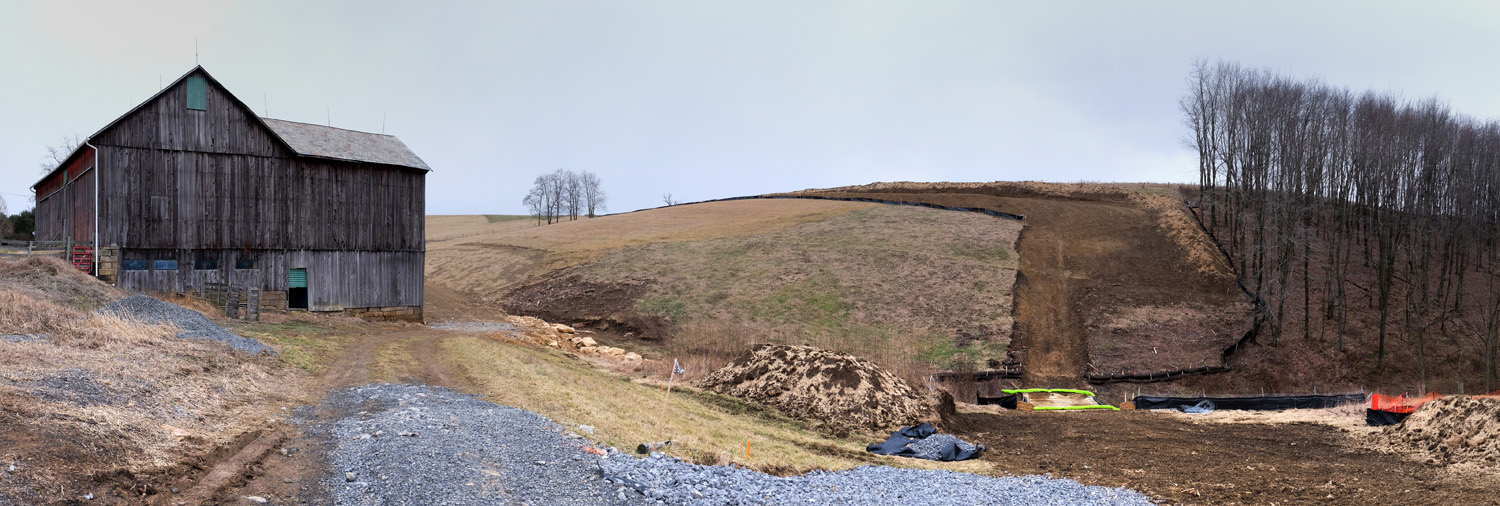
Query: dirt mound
1453 430
53 280
841 391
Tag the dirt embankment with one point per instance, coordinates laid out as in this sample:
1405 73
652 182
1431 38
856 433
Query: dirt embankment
96 403
1110 280
1455 430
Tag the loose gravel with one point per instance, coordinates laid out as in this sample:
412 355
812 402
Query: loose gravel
672 481
409 444
931 447
473 326
193 324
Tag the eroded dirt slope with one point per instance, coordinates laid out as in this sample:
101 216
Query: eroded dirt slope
1110 279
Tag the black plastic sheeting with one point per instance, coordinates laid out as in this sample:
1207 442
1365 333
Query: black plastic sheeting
898 445
1378 418
1274 403
1007 402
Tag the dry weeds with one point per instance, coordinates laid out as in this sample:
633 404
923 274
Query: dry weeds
104 387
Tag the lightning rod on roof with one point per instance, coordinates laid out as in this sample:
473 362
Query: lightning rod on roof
329 110
265 105
195 50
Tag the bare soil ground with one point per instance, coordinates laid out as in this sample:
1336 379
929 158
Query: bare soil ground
1183 461
1111 280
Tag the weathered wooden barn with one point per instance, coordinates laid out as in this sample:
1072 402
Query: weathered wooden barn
192 187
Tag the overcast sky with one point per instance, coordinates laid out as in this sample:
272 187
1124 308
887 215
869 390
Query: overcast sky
717 99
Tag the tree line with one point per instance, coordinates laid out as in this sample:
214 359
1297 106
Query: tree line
1317 191
565 194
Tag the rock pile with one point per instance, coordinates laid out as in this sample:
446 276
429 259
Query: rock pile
552 335
840 391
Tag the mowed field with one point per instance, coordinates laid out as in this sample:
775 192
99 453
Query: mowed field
913 289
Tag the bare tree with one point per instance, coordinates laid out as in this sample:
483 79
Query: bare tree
1300 180
667 197
593 194
564 193
58 153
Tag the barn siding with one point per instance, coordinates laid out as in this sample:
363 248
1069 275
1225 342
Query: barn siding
166 123
65 202
172 200
337 280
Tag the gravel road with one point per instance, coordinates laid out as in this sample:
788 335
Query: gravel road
408 444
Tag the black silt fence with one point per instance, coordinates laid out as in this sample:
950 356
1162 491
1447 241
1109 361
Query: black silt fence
1260 403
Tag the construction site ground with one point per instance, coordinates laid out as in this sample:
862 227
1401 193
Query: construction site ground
1314 457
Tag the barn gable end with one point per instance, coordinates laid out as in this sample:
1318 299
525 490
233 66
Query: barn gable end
194 190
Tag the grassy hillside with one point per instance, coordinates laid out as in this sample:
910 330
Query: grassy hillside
913 289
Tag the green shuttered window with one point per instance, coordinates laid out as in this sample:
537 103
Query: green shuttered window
297 279
197 93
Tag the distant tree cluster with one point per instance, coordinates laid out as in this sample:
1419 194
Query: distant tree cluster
565 194
1303 182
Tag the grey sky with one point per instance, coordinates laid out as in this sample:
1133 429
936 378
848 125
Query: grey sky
717 99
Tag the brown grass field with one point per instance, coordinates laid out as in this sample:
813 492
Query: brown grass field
913 289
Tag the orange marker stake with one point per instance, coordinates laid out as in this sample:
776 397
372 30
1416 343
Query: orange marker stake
747 448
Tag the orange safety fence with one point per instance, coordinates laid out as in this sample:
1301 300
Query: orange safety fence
1492 395
1400 403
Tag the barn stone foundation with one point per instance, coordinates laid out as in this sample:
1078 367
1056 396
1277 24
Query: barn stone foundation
274 300
109 265
388 313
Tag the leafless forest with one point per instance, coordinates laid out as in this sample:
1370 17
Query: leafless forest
1332 202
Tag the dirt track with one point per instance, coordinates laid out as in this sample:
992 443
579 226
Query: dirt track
1215 463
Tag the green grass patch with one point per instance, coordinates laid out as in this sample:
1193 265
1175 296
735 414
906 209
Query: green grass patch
301 344
946 353
1072 408
982 252
668 307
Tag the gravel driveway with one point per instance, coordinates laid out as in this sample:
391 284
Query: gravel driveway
409 444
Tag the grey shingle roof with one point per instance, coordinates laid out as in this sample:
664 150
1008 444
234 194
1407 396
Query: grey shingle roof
328 142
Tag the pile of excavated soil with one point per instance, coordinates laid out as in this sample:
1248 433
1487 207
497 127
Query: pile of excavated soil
840 391
1453 430
56 281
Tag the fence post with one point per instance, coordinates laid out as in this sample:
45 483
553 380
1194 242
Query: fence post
28 248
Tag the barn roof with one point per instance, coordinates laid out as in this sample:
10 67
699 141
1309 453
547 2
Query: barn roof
337 143
305 139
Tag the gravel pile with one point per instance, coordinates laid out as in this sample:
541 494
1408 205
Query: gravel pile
672 481
931 447
407 444
193 324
